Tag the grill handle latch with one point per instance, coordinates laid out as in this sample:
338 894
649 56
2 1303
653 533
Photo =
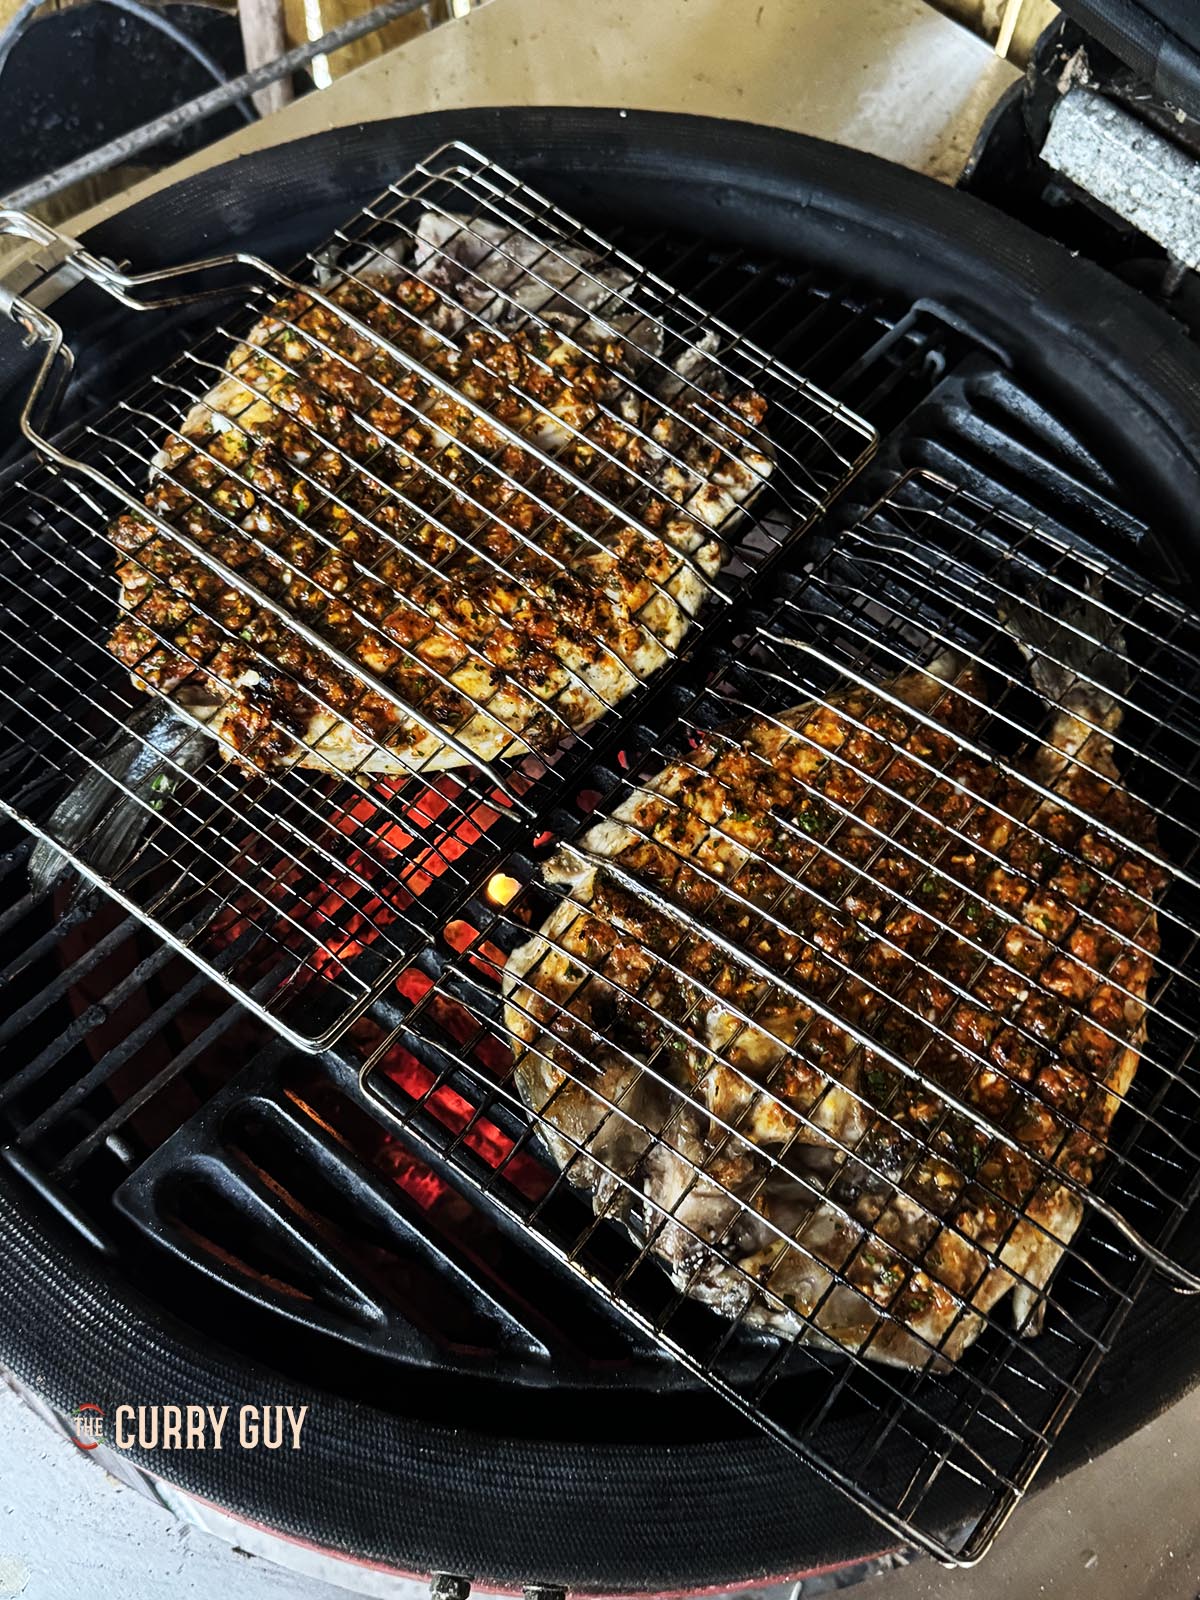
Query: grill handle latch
58 262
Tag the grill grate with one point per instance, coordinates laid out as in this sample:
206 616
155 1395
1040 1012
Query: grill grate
927 568
894 1440
367 450
105 1074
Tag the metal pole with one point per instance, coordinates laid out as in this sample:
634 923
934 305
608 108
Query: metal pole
138 139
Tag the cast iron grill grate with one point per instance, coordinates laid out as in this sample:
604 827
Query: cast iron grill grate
383 436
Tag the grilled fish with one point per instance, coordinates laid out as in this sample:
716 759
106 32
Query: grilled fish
771 958
428 531
426 515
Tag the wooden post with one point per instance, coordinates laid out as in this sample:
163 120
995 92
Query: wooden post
264 37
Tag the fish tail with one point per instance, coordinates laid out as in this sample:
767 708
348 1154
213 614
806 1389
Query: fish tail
1076 653
101 819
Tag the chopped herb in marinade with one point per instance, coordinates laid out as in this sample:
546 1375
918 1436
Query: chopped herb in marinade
812 819
878 1081
971 1147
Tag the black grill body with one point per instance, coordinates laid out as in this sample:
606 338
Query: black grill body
472 1408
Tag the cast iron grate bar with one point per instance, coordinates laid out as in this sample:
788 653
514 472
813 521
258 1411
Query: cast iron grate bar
264 1146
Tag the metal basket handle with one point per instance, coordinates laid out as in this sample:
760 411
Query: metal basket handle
59 255
58 363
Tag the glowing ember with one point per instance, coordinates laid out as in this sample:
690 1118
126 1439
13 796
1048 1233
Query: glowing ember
460 935
501 888
331 919
412 1175
415 1080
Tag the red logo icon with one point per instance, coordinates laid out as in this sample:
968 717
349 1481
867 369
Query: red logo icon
89 1425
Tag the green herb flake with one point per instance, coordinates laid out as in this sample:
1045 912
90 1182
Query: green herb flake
877 1081
972 1158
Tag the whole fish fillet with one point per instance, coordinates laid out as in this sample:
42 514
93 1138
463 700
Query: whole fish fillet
428 523
714 1021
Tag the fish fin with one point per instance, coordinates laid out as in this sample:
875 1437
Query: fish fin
1075 650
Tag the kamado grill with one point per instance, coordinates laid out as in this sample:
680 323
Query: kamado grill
264 1134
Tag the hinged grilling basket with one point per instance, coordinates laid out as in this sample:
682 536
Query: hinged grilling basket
429 512
832 1248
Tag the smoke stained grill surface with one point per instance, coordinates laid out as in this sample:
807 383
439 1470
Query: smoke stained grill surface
894 380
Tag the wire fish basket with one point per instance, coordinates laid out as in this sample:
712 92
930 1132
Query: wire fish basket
396 546
852 1023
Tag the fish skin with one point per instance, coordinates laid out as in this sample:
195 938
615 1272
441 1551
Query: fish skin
929 1243
104 815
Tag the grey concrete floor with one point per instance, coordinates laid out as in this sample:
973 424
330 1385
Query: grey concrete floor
1126 1525
70 1531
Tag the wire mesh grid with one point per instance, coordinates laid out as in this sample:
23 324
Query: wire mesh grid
396 538
870 1104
